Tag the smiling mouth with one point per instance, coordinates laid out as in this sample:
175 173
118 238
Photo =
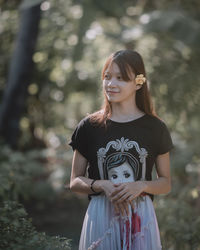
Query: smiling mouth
112 92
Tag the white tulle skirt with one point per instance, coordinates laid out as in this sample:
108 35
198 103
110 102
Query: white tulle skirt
104 230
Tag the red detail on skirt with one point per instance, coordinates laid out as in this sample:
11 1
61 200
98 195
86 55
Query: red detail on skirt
127 233
132 226
136 224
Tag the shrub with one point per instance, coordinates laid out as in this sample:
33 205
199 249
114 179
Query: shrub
24 175
17 232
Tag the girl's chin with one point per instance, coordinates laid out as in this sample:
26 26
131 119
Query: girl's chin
112 98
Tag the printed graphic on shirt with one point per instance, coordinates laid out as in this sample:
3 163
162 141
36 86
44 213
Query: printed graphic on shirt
120 161
121 167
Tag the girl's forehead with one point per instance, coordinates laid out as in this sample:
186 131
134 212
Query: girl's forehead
113 68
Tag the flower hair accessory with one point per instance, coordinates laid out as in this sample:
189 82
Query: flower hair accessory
140 79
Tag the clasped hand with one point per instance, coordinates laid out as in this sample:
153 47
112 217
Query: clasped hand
123 194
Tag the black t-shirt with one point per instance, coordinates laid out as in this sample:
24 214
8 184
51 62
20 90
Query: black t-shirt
123 151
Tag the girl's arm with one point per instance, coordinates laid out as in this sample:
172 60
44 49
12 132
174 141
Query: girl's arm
80 184
162 185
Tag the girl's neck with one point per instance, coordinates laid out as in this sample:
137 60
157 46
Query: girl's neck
124 112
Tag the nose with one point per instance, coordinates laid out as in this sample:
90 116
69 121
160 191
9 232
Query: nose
111 83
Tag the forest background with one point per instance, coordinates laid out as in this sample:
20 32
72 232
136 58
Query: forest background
51 55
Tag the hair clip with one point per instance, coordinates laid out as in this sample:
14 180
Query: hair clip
140 79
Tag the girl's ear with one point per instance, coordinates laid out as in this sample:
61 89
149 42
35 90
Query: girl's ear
138 86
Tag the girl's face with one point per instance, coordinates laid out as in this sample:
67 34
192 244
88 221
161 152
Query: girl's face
116 89
121 174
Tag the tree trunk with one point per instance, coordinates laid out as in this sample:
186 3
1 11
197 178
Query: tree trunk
19 77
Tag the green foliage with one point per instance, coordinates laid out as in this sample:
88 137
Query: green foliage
179 224
23 175
17 232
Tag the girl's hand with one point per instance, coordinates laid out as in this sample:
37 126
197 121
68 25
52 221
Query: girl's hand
106 186
110 189
122 208
127 191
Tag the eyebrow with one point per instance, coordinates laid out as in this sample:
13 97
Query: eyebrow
118 72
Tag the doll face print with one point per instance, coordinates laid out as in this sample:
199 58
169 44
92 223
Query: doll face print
122 173
121 167
122 160
115 88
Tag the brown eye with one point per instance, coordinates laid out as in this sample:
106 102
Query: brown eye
119 78
107 76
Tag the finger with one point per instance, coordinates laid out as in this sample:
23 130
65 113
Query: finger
126 206
116 208
132 205
117 184
116 190
123 198
131 198
121 207
119 195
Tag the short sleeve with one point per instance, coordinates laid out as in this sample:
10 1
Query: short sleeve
79 138
165 140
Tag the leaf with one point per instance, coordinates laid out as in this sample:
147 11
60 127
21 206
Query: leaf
178 23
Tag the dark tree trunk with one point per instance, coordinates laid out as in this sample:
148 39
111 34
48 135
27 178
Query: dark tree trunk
19 77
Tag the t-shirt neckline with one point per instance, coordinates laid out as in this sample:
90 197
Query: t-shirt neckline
131 121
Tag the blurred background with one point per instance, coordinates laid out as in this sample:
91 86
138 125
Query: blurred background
51 56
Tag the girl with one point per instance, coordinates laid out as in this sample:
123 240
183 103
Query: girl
120 214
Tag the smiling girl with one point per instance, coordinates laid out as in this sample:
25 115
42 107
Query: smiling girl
120 214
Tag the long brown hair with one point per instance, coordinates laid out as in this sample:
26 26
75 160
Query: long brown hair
126 60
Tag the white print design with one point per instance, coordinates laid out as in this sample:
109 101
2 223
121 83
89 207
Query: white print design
122 173
122 147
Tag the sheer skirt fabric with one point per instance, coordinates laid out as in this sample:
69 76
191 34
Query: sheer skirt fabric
104 230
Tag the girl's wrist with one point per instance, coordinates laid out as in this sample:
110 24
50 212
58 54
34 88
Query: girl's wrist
144 186
99 185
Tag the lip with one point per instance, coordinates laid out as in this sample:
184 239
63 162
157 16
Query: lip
112 92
